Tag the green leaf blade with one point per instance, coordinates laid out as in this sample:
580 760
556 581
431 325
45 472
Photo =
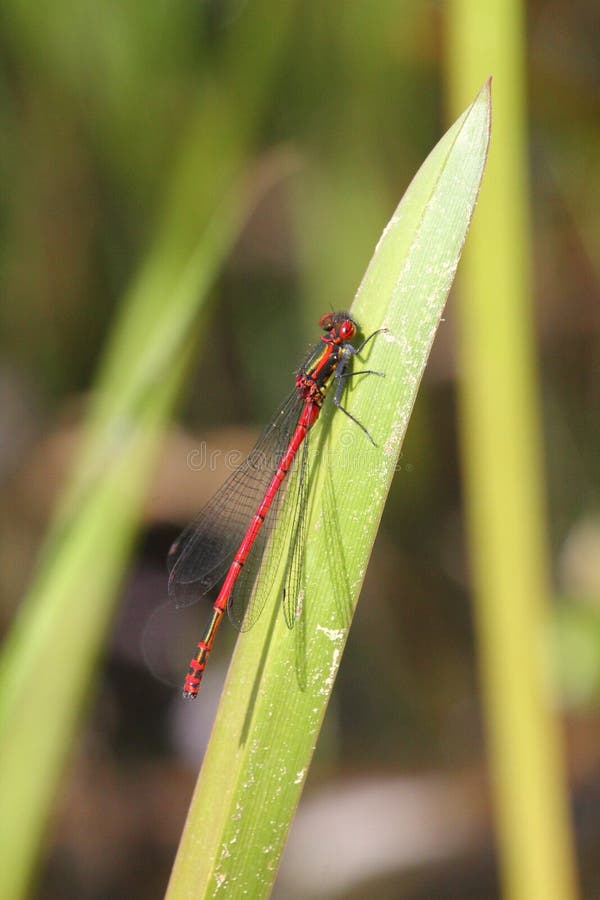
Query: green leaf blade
267 725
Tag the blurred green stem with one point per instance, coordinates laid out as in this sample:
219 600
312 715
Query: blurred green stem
503 471
49 658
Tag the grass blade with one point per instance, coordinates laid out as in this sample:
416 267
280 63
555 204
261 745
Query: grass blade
267 726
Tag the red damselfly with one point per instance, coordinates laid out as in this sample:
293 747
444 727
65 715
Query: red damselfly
228 538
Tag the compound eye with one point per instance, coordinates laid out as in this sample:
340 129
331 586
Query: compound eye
326 322
347 330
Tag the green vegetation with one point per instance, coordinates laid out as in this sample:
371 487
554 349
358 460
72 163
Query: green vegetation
186 188
500 422
267 725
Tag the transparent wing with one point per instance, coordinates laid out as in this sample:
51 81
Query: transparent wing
200 557
252 588
293 590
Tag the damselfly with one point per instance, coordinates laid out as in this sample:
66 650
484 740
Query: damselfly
228 538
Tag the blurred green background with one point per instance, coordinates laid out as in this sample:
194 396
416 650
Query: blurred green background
124 128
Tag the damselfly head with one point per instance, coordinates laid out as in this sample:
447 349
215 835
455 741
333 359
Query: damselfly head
339 325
